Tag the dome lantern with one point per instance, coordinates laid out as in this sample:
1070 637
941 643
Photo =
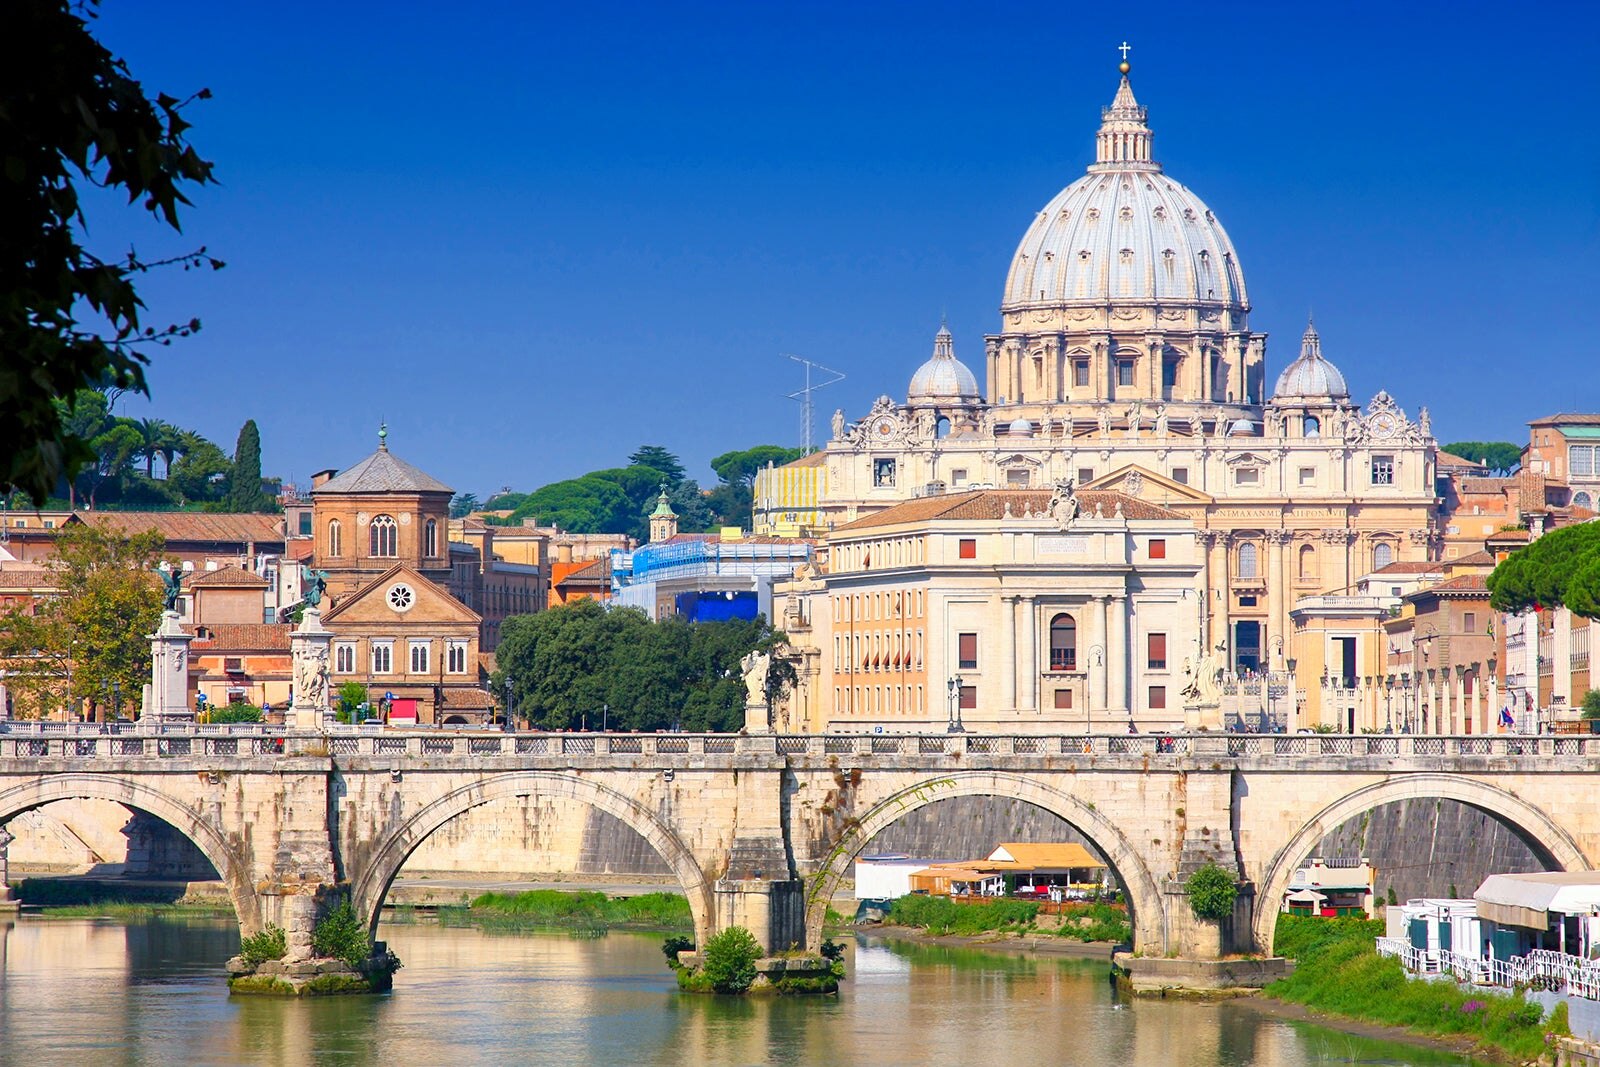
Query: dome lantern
943 378
1311 376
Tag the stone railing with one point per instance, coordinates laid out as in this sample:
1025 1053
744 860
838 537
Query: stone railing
90 742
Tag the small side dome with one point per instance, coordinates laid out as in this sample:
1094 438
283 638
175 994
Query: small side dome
1311 375
1241 427
1020 428
943 378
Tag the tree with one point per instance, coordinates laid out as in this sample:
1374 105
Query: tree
1212 892
463 504
200 474
730 960
93 634
692 506
660 460
70 113
740 468
1562 568
1498 456
244 477
352 697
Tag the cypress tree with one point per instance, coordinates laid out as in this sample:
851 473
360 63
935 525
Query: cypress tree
244 480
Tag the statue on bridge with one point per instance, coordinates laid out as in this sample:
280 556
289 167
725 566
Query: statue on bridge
314 583
1205 681
171 586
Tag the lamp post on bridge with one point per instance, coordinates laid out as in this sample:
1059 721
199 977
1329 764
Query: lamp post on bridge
954 686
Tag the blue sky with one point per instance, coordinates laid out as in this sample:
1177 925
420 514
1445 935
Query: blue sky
533 236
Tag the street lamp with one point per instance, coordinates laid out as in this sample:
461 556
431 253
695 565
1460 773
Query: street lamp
508 726
955 706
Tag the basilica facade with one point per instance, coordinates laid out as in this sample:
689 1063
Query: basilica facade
1125 363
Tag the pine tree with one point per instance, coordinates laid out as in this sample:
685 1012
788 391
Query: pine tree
244 480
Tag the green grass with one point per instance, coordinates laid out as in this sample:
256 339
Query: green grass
1105 923
582 910
1339 971
126 909
940 915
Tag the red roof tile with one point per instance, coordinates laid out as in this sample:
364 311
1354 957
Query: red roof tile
228 578
211 527
241 637
1409 567
989 504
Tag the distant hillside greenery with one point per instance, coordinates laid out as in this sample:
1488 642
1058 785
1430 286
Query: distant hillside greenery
148 464
1499 456
620 499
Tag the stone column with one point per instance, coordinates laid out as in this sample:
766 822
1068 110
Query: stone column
1029 696
1095 616
1008 675
1474 714
1275 591
8 899
1561 657
1493 710
169 672
309 650
1117 654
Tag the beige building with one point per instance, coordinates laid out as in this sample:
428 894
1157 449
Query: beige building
1125 362
1005 610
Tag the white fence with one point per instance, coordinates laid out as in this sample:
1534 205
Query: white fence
1555 972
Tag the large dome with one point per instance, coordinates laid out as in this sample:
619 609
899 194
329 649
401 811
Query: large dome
1125 233
943 377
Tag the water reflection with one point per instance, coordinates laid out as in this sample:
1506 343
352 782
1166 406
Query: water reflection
80 991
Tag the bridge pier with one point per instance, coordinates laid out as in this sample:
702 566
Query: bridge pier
774 910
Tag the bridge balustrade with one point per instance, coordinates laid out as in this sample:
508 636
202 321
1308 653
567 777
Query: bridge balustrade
88 742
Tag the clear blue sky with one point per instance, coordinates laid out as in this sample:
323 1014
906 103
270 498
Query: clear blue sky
533 236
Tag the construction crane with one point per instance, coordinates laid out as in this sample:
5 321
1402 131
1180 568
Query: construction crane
807 406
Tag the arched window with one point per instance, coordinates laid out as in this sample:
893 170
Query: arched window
382 534
1582 500
1382 555
1247 560
1308 561
1063 643
1312 426
430 539
335 538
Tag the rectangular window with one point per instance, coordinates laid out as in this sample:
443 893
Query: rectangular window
419 657
967 548
1085 475
1063 699
1158 548
1247 600
1246 476
967 652
1158 697
1156 652
305 524
382 657
1382 470
1124 372
1180 475
1308 476
1581 460
969 697
1080 373
1017 478
958 476
344 659
1470 620
883 473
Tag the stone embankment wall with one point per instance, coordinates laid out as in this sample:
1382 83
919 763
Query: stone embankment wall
81 836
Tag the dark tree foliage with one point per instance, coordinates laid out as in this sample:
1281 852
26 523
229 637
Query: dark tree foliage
1562 568
70 112
657 458
1498 456
244 478
570 662
463 504
740 468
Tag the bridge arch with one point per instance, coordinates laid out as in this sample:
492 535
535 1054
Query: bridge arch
233 866
1144 897
370 885
1547 838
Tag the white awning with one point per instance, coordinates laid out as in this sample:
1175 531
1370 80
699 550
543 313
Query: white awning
1528 899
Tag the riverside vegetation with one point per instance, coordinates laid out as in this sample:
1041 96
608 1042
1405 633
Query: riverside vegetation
732 964
1338 971
583 911
940 916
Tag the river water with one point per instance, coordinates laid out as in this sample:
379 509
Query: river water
82 991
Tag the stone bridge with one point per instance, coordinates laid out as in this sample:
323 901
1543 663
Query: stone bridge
760 829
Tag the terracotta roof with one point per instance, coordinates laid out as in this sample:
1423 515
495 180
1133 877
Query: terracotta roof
1507 535
1479 558
1486 486
1568 418
463 698
382 472
1409 567
228 578
242 637
989 504
192 525
1450 459
596 571
300 549
1028 856
815 459
1460 585
26 577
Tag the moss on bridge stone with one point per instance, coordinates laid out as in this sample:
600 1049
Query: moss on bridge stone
314 977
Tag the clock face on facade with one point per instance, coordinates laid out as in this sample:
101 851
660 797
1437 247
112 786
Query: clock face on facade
883 427
401 597
1384 424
